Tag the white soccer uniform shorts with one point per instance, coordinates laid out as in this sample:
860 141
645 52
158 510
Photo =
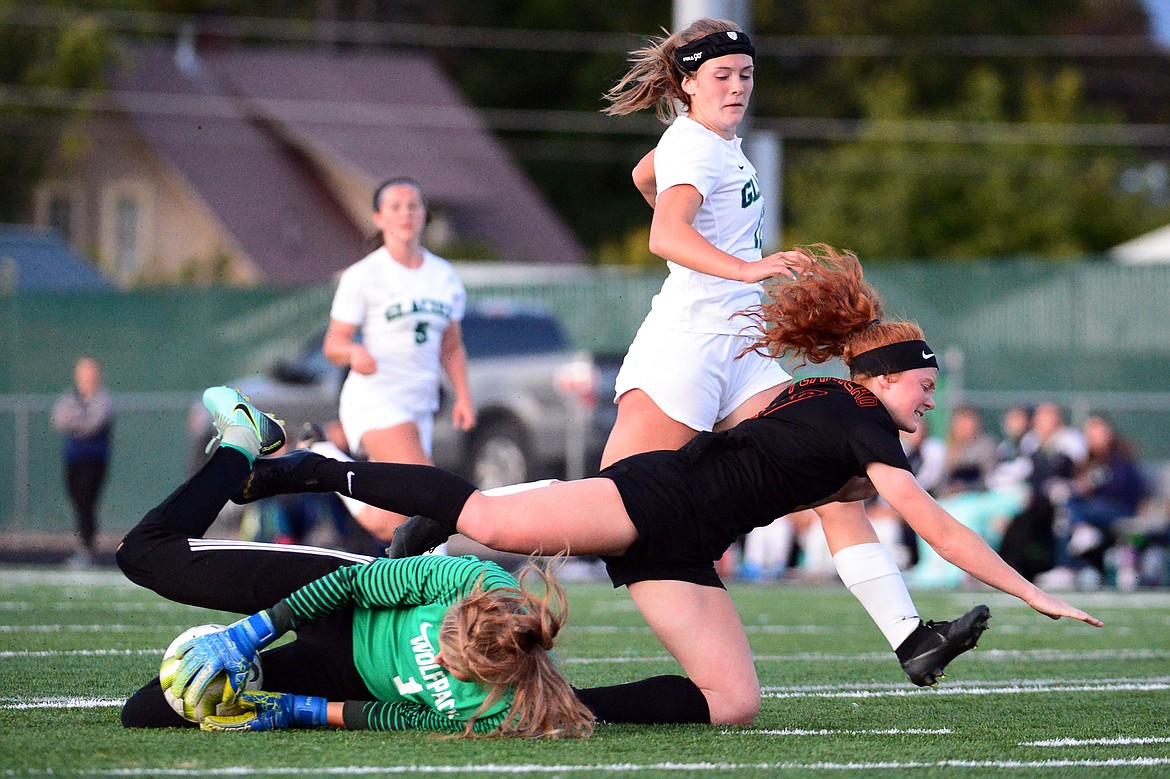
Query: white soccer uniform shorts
695 378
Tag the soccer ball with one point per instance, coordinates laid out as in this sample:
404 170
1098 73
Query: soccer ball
212 700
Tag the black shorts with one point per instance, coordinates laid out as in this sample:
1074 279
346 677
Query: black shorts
671 545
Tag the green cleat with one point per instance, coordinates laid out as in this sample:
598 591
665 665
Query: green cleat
229 408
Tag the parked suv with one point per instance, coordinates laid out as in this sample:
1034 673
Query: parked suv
542 410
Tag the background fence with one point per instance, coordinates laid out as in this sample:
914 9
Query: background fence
1089 335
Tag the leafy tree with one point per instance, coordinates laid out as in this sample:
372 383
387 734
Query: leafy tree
70 56
952 197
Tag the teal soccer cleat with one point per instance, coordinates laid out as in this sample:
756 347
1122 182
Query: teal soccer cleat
229 408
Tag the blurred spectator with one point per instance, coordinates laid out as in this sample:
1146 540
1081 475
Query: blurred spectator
1050 429
1107 486
1013 464
970 454
964 486
1014 426
927 455
1053 452
84 415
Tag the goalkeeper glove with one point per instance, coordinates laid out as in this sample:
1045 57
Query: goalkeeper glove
232 650
271 711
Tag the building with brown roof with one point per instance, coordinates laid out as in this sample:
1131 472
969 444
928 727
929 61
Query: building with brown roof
258 165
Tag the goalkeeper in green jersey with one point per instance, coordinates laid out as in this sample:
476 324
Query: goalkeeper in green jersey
432 643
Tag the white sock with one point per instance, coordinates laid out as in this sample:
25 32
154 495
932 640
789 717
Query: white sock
870 573
242 438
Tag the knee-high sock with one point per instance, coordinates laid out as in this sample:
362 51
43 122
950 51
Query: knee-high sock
870 573
659 700
405 489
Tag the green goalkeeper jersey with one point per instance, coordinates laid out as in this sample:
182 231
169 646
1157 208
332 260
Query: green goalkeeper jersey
398 608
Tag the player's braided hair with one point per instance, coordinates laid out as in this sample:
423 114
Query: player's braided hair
655 78
502 638
829 311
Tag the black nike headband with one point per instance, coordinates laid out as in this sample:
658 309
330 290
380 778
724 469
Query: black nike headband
894 358
717 44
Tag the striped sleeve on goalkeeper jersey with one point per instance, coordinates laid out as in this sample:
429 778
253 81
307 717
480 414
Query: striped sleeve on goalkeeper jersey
406 715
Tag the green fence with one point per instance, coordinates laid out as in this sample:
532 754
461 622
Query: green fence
1090 335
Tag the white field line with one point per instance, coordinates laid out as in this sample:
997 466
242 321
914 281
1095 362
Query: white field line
107 628
15 578
563 768
991 655
13 704
1121 741
829 732
20 654
98 603
750 629
1016 687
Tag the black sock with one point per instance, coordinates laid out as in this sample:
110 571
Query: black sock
405 489
659 700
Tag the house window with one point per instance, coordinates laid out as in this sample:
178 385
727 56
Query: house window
125 226
57 205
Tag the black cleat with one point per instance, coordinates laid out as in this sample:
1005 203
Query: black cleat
927 651
418 535
281 476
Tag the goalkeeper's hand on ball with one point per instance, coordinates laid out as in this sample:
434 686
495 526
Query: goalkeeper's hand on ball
231 650
271 711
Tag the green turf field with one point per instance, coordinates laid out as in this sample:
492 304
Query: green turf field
1038 698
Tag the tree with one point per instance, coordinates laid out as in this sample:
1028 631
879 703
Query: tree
953 197
70 56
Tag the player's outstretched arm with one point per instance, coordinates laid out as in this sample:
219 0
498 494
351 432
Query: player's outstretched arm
960 545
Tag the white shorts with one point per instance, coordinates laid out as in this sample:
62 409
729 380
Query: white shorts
695 378
361 411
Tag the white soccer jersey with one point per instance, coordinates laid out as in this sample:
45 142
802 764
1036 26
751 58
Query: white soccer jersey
403 313
730 218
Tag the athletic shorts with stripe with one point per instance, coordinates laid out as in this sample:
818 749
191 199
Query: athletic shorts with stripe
166 553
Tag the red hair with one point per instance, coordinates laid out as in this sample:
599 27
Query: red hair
829 311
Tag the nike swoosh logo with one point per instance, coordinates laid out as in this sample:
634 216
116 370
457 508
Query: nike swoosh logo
741 167
247 412
349 482
926 356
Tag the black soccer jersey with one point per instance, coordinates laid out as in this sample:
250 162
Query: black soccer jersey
815 436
